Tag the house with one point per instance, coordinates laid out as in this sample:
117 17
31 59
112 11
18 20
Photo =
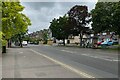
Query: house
76 39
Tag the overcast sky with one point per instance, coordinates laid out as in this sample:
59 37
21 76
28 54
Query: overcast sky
41 13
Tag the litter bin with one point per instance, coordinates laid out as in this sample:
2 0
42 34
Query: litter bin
4 42
3 49
68 41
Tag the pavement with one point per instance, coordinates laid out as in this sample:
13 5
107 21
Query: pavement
45 61
24 63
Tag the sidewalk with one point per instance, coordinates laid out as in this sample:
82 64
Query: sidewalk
23 63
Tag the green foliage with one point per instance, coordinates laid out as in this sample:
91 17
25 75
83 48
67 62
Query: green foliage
3 42
106 17
59 27
13 21
116 18
45 34
26 38
78 18
0 6
33 41
1 35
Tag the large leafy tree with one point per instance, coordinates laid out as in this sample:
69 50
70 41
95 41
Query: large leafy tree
59 28
45 34
13 20
116 18
78 18
106 17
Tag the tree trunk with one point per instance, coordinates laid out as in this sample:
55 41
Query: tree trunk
9 43
64 42
20 40
81 40
21 43
94 42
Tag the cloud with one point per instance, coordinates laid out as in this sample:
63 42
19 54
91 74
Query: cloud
41 13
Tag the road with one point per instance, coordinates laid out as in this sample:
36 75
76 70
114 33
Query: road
86 62
44 61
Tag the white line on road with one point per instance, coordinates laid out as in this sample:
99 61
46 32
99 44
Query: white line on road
101 57
65 65
93 56
68 51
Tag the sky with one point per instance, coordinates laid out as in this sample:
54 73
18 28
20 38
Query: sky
42 13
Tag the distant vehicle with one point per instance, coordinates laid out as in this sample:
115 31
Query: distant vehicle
60 42
24 43
34 42
99 43
107 43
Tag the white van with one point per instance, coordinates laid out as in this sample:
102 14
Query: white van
24 43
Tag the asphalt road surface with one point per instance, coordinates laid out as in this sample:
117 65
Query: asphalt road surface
44 61
89 63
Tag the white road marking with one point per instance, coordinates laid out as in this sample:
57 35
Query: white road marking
107 58
68 51
101 57
65 66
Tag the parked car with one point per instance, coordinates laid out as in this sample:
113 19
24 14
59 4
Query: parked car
24 43
107 42
99 43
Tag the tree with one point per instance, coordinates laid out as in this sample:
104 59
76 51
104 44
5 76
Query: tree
116 18
44 35
100 17
106 17
78 18
9 12
59 28
19 37
13 21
